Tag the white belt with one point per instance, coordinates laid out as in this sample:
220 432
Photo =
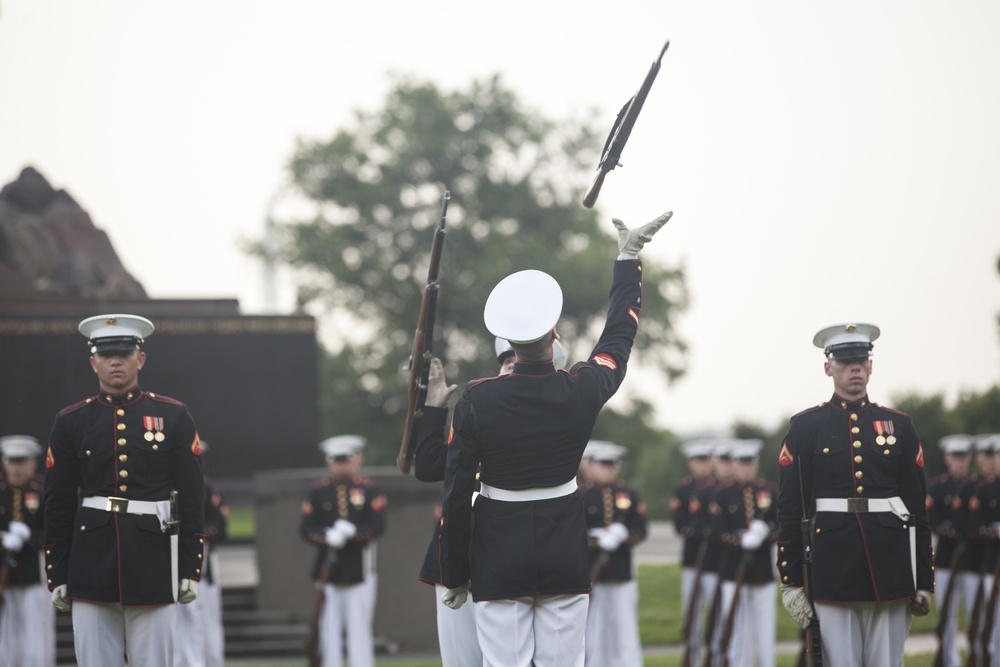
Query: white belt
160 508
545 493
864 505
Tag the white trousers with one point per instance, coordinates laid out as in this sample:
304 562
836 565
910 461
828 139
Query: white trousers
27 627
754 624
863 634
706 586
544 631
104 631
613 626
347 610
457 633
964 595
200 640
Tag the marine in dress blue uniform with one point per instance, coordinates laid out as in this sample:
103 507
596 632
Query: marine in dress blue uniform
684 506
342 516
27 618
984 535
616 523
948 501
744 527
527 430
123 557
856 469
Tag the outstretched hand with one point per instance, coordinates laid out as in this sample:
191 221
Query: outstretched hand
631 241
438 389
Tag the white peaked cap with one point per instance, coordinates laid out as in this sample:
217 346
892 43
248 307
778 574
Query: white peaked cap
848 340
19 446
116 331
956 444
342 445
524 306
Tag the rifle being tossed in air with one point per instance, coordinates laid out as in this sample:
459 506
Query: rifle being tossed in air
620 132
420 358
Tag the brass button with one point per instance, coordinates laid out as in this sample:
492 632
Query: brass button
124 457
121 442
861 489
120 412
48 552
781 549
855 430
201 541
200 556
886 452
859 474
123 473
83 528
87 452
784 563
854 417
48 567
121 426
198 570
857 444
857 459
123 488
826 450
785 578
155 447
904 526
817 530
49 580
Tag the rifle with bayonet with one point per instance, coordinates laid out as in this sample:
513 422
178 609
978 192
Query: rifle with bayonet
621 130
420 357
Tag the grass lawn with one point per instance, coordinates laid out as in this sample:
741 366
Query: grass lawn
660 620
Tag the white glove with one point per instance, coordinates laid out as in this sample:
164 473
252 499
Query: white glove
631 241
456 597
12 543
346 528
796 604
188 591
20 529
438 389
921 603
755 535
335 538
59 600
612 538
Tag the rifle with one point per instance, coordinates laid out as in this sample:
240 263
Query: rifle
972 632
812 645
420 358
313 655
727 632
944 610
710 622
987 634
621 130
692 606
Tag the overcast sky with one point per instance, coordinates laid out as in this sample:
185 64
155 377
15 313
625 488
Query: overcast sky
825 161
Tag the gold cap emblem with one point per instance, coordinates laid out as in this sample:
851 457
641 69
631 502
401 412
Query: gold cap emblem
111 321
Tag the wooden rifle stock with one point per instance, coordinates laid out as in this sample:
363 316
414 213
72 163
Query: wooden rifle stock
734 607
621 130
976 618
989 619
313 655
944 610
710 623
692 607
420 357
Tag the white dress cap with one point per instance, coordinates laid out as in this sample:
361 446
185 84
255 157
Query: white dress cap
988 442
846 341
746 448
116 332
524 306
603 450
19 446
502 348
956 444
697 448
559 356
342 445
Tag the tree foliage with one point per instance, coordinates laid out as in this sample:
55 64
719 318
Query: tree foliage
516 180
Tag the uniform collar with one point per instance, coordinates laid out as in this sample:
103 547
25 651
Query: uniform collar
124 398
852 406
534 368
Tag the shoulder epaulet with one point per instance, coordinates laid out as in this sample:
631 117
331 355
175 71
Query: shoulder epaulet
810 410
164 399
479 381
76 406
892 410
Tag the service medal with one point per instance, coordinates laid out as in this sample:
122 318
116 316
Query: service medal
148 435
159 436
891 440
880 440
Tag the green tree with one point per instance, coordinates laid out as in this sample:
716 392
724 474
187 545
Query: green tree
516 180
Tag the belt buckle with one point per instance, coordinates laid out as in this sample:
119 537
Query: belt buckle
117 505
857 505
